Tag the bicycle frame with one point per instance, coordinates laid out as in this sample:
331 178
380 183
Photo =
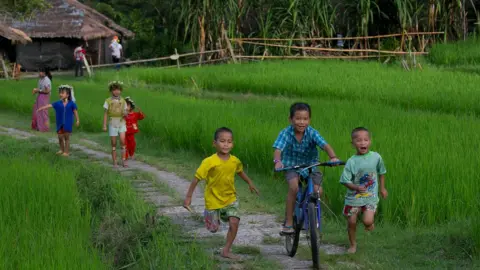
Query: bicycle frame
303 198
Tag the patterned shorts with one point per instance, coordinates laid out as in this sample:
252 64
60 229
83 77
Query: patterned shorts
349 210
213 217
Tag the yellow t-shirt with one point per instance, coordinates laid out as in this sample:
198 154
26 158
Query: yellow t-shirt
219 175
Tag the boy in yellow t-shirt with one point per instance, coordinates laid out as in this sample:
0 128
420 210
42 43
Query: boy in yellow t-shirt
221 203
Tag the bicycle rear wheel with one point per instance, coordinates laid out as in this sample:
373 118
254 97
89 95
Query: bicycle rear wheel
291 240
312 219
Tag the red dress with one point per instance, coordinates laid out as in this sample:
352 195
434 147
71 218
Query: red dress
131 120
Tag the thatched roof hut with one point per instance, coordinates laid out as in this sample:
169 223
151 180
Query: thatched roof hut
14 35
67 19
59 29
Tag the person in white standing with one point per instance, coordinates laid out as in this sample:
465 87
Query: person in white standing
116 48
79 54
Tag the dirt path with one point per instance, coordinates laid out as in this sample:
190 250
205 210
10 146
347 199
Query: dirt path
253 231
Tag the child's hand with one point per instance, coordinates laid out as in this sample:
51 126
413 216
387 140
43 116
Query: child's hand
253 189
104 128
361 189
78 123
334 159
278 165
384 193
34 91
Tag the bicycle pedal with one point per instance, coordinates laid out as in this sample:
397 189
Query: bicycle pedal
286 233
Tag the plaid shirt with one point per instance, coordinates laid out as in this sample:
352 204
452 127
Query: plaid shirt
295 153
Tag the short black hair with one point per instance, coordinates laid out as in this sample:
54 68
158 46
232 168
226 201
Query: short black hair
300 106
115 85
67 89
130 102
357 129
221 130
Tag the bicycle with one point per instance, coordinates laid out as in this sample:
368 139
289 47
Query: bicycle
307 214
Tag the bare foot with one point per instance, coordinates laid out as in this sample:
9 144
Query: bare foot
59 152
124 164
115 165
65 154
352 250
229 255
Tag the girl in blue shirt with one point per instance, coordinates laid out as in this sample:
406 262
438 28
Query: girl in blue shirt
65 110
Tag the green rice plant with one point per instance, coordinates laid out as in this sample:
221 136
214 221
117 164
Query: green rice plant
430 89
456 53
42 222
430 157
53 208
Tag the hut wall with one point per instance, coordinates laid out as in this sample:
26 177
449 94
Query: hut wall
52 53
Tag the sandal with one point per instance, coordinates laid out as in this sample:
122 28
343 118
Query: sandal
59 152
287 230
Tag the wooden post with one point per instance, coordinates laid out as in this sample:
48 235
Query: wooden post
5 72
378 48
99 57
178 59
229 45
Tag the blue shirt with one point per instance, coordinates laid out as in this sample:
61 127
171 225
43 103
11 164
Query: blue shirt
64 115
298 153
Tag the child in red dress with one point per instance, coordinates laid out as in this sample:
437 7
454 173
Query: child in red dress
132 126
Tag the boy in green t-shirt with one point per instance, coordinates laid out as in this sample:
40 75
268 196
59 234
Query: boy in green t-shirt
361 176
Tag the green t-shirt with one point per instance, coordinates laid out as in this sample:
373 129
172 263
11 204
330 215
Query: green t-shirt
363 170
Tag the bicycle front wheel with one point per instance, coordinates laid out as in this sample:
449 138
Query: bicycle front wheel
291 240
312 219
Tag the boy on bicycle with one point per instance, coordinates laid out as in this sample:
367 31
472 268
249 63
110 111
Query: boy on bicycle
361 175
297 145
219 172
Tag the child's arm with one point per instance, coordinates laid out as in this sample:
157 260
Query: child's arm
354 187
330 153
247 179
105 117
277 157
188 197
383 190
44 107
75 112
346 178
140 115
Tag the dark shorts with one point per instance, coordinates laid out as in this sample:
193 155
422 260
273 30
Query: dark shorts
115 59
317 177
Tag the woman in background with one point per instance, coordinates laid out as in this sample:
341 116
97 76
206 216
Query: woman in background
40 120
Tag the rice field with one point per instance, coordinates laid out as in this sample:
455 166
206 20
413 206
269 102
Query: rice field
430 156
64 214
430 89
456 53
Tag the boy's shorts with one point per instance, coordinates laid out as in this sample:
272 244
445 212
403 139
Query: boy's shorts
213 217
349 210
317 177
115 128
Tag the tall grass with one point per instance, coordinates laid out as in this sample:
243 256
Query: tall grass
64 214
41 220
456 53
430 157
430 89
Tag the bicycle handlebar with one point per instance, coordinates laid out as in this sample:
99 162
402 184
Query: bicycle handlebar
308 166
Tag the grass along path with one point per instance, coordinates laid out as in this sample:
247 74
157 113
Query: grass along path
255 230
